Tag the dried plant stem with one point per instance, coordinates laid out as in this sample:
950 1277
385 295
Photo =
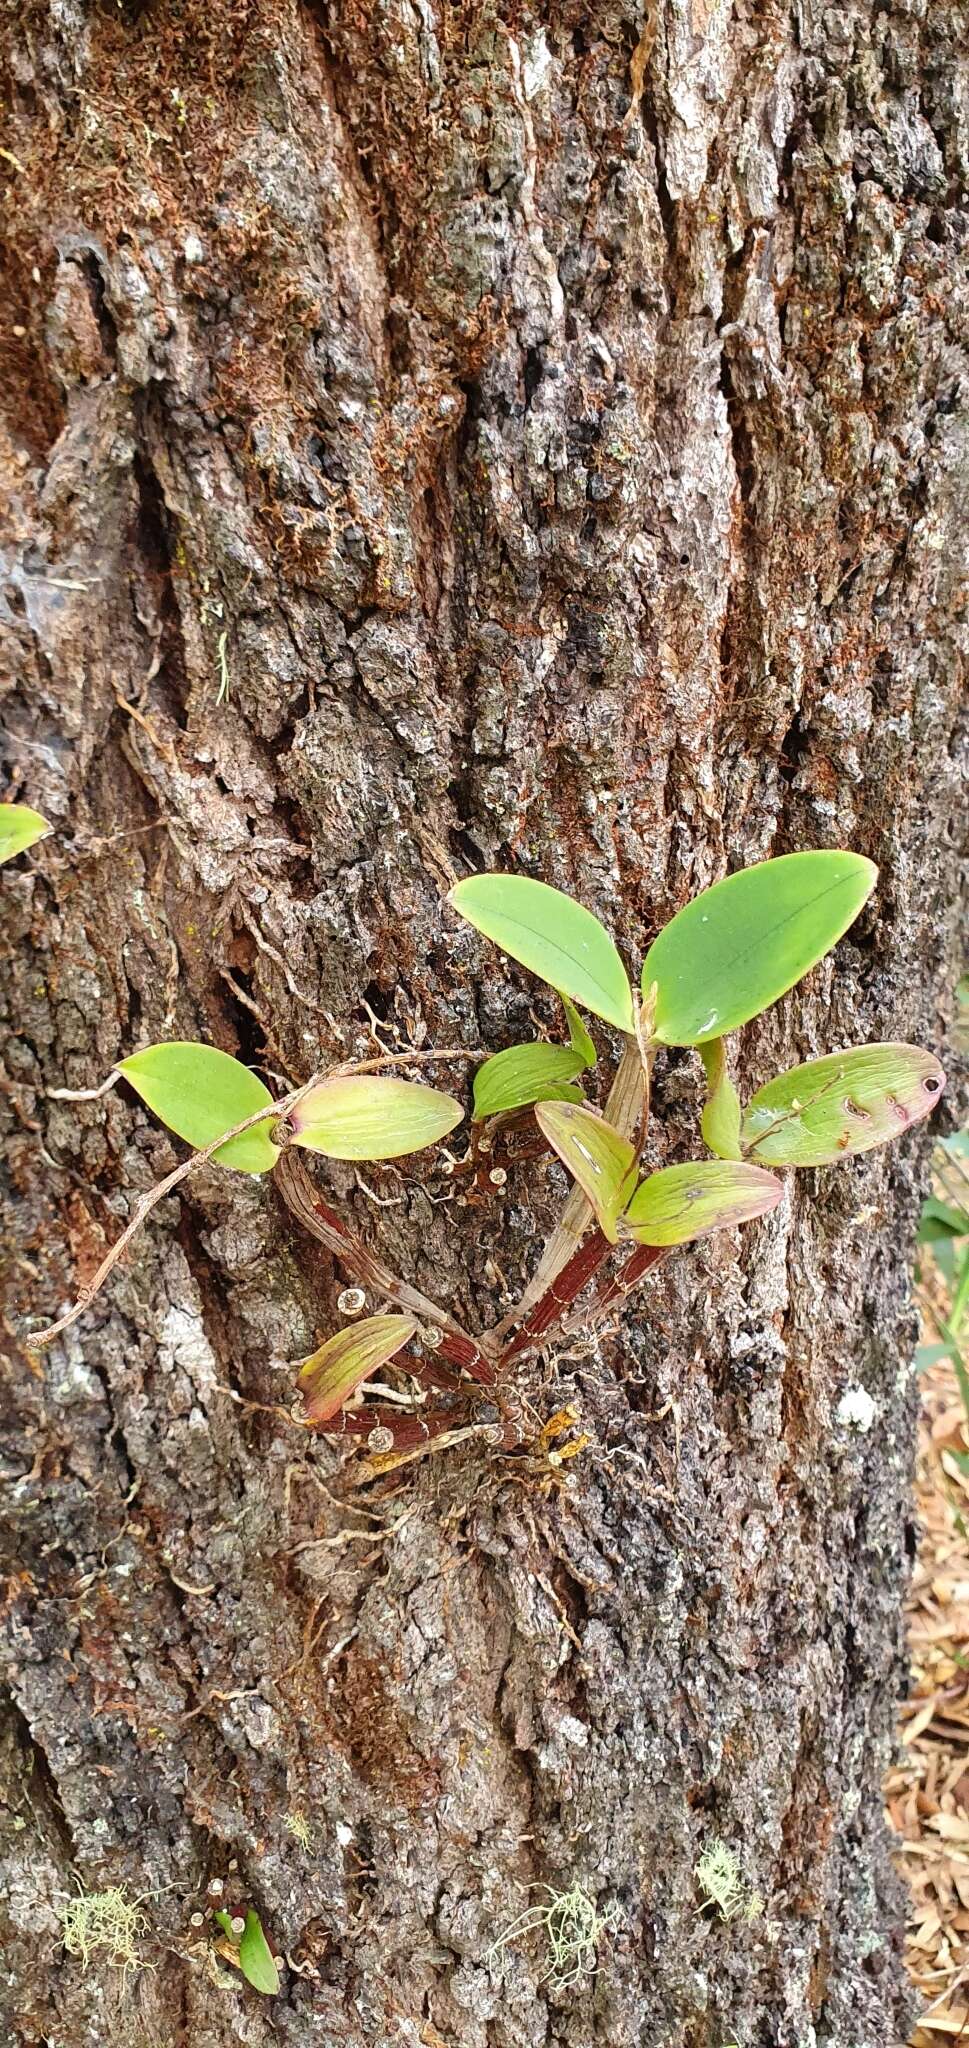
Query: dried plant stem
150 1201
576 1274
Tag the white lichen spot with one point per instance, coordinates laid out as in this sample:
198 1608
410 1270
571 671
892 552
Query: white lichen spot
856 1410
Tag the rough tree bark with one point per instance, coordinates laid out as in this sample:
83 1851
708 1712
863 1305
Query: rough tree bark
441 436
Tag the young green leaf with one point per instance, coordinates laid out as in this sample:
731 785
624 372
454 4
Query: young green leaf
199 1091
720 1120
555 937
940 1220
256 1959
681 1203
340 1365
20 827
847 1102
526 1073
740 945
579 1038
597 1156
254 1955
371 1116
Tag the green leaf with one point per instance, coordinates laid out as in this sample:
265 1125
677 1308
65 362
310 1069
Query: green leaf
961 1301
930 1354
681 1203
20 827
256 1960
737 947
253 1953
371 1116
199 1091
557 938
720 1121
939 1219
579 1038
846 1103
525 1073
340 1365
597 1156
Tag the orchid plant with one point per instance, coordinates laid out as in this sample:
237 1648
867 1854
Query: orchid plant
722 960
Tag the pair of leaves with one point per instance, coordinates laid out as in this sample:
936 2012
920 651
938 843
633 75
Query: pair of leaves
534 1073
722 960
199 1092
674 1206
20 827
252 1953
341 1365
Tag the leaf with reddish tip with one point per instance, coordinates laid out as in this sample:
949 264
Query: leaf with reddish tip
740 945
371 1116
553 936
720 1120
681 1203
597 1156
523 1074
198 1092
342 1364
20 827
846 1103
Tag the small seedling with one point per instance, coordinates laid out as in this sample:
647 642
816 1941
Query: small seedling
105 1923
722 960
573 1928
724 1887
249 1950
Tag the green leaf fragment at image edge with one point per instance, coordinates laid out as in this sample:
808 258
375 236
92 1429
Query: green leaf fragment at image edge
20 827
743 943
199 1092
553 936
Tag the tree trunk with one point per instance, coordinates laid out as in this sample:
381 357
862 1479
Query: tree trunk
439 438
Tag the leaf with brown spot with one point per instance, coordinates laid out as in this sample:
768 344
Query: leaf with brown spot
841 1105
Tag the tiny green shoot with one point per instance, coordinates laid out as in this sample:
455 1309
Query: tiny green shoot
252 1952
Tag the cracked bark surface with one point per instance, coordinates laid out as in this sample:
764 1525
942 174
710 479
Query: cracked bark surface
437 437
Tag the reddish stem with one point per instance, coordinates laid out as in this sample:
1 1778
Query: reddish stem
641 1259
586 1261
